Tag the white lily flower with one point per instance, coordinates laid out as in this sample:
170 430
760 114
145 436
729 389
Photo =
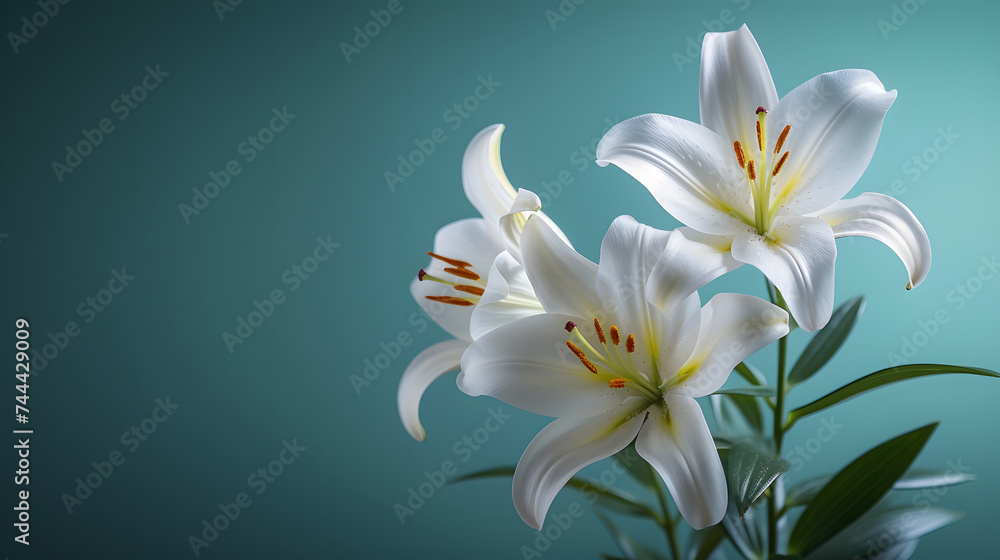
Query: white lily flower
766 176
639 350
474 271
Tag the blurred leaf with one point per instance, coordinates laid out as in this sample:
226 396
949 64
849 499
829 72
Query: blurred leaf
609 497
637 467
803 492
890 534
878 379
827 341
750 473
738 414
856 489
749 373
631 550
703 543
758 391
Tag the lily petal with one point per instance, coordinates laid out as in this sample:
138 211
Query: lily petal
799 261
508 297
483 178
563 280
691 171
527 364
835 119
560 450
733 327
472 240
689 261
735 80
676 441
887 220
428 365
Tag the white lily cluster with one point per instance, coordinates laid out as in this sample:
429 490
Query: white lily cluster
618 351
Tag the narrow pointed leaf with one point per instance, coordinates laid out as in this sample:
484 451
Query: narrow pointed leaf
611 498
750 473
703 543
827 341
895 528
878 379
742 531
759 391
749 410
630 548
750 373
803 492
637 467
855 490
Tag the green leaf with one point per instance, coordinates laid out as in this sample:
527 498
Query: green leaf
792 324
750 373
742 531
703 543
607 496
827 341
878 379
637 467
758 391
630 548
750 473
855 490
737 414
894 530
803 492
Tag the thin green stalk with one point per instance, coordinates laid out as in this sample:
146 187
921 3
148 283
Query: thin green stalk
668 520
773 507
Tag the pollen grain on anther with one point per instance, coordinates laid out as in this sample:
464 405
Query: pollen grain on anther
740 158
781 139
617 383
451 300
750 171
462 273
474 290
582 357
760 141
777 166
630 343
616 336
452 262
600 331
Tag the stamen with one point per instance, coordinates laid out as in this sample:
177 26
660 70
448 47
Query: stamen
452 262
616 337
583 358
463 273
422 275
474 290
739 154
777 166
781 139
600 331
570 325
760 142
451 300
750 172
630 344
617 383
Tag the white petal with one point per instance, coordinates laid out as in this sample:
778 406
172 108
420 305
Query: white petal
690 170
563 280
733 327
675 440
678 336
486 185
528 365
799 261
629 253
512 223
835 119
689 261
888 220
507 298
427 366
735 80
472 240
559 451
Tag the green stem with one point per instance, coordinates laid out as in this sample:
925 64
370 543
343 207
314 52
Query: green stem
668 520
773 507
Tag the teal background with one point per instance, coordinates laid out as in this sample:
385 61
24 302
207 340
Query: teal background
323 176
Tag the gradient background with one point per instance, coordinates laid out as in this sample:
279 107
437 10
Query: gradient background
323 176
